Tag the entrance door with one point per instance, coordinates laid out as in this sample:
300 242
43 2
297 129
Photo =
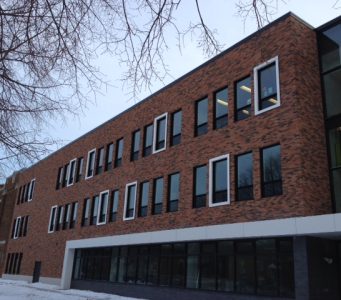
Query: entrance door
36 271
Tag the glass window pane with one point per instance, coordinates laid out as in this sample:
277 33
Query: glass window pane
158 195
271 169
221 108
245 274
201 180
136 141
332 90
330 47
192 274
245 177
174 187
219 181
267 86
177 120
202 111
160 133
148 140
130 201
225 273
243 98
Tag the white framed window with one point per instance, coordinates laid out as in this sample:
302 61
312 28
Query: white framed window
31 189
219 180
130 201
266 86
17 227
72 172
52 222
103 207
160 133
90 164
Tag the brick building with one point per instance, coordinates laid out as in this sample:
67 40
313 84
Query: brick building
225 183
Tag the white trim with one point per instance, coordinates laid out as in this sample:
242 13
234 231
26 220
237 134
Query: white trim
255 77
31 190
74 172
100 207
87 164
210 184
16 227
165 115
126 201
55 216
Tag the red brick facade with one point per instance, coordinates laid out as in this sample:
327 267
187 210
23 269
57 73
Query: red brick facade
297 125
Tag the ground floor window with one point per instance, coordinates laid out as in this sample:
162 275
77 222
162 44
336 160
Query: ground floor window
262 266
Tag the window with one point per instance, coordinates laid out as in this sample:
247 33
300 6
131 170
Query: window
271 171
176 128
148 140
100 160
244 168
94 211
201 117
74 214
173 192
72 170
119 153
59 178
13 263
19 195
103 208
135 145
114 205
144 195
17 227
200 186
243 99
219 181
79 169
66 175
160 133
129 201
67 216
60 217
31 189
109 156
25 225
157 196
90 164
52 221
86 212
266 83
221 108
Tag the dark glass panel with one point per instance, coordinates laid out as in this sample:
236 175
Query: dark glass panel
225 273
201 117
332 92
104 207
173 196
330 48
267 87
178 271
144 195
176 128
200 188
114 205
132 265
148 140
94 213
91 160
119 153
100 161
130 205
160 133
245 177
79 174
243 98
135 145
109 156
193 272
208 266
158 196
271 171
221 108
219 181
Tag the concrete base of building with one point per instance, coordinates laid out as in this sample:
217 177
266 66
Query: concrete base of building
47 280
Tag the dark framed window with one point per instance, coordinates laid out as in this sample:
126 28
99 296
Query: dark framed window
148 140
160 134
176 120
94 210
135 145
201 117
23 193
109 156
144 196
79 172
271 171
90 164
103 207
67 216
86 212
245 267
31 189
266 80
244 170
200 186
20 191
114 205
60 218
52 222
65 177
25 225
74 212
173 192
219 181
157 196
221 108
100 160
71 175
119 153
59 183
243 98
130 201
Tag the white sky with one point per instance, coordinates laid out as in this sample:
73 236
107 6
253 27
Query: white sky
231 29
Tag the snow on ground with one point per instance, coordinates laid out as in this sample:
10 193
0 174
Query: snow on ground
17 290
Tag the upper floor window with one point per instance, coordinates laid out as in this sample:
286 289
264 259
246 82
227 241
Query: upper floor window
31 189
94 210
200 186
72 170
114 205
86 212
67 216
160 133
201 117
103 208
100 160
144 195
173 192
66 174
266 77
243 99
119 152
79 173
90 164
219 181
52 221
148 140
60 217
59 178
271 171
74 212
221 108
244 167
176 128
109 156
130 201
135 145
157 196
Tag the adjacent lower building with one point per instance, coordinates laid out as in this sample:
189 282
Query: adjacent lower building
225 184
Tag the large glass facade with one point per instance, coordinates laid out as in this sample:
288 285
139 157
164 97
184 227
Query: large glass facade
262 266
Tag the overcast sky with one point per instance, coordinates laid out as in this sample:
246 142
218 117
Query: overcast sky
231 29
